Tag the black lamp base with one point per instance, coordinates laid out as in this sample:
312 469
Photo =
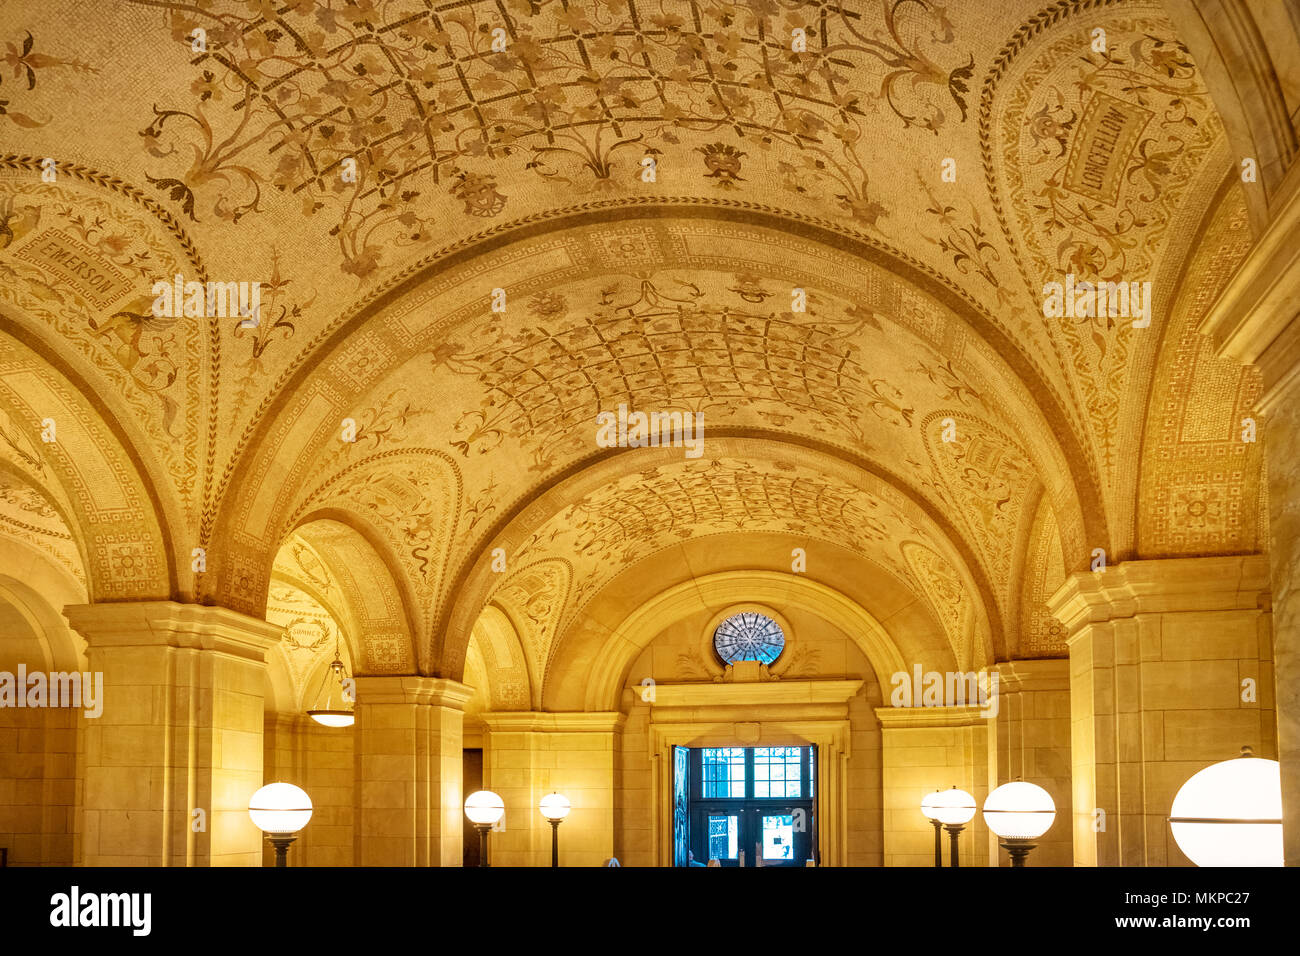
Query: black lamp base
1018 848
281 843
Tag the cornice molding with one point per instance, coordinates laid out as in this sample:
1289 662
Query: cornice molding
169 624
408 689
1218 583
896 718
570 722
702 696
1256 318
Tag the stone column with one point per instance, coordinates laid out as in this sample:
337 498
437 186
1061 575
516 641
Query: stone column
527 755
1256 320
1033 744
1170 671
925 749
177 752
408 803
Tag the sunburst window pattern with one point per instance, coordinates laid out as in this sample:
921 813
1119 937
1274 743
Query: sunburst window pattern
749 636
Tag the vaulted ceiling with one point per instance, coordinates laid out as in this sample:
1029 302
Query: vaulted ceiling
919 171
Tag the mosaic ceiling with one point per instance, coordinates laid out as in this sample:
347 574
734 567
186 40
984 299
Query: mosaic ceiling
646 190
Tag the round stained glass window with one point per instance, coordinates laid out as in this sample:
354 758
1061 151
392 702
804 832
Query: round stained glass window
749 636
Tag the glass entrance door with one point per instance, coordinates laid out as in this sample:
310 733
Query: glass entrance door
751 804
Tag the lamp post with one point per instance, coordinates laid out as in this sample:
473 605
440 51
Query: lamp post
484 808
928 809
953 808
555 807
280 810
1019 813
1230 813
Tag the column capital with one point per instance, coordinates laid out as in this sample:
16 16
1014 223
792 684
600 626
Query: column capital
169 624
1034 675
572 722
1216 583
1256 318
413 689
967 716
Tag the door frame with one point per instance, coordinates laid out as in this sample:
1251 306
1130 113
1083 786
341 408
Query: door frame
795 714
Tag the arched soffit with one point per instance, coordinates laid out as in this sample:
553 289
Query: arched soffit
908 618
32 519
1042 571
459 146
335 560
503 663
1201 488
875 369
625 506
404 503
78 259
64 445
313 628
533 598
1249 56
1102 167
609 664
34 629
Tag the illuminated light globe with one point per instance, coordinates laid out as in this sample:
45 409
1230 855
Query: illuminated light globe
335 719
952 807
484 808
929 805
1019 811
1230 813
280 808
555 806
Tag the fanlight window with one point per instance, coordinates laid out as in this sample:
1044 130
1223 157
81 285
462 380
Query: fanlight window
749 636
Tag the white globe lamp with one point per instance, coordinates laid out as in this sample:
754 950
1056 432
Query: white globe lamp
1230 813
1019 813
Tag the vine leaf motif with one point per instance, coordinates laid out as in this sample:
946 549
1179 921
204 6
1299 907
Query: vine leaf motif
176 191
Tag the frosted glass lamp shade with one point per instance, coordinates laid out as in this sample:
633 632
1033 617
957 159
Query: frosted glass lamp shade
1230 813
1019 811
929 804
953 807
280 808
484 807
555 806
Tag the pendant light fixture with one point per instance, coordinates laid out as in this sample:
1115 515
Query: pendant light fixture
334 704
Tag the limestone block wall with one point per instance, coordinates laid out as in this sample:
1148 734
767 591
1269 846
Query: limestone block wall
320 760
38 785
408 764
1033 744
181 731
528 755
926 749
1170 671
1283 449
866 822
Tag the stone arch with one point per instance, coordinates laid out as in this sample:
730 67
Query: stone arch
425 306
341 571
502 670
609 668
834 481
124 527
